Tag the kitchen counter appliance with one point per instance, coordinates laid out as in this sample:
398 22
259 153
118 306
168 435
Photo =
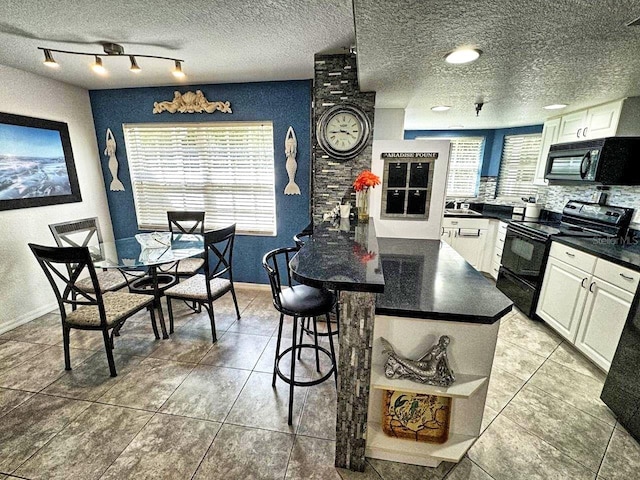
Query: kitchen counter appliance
605 161
526 246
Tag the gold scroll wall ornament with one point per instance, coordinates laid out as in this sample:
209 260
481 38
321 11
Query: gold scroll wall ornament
191 102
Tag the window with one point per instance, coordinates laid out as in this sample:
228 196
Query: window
406 187
518 165
465 161
225 169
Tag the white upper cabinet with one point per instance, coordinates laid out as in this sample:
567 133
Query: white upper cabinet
571 127
602 121
595 122
550 134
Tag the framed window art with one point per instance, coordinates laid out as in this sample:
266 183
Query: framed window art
36 163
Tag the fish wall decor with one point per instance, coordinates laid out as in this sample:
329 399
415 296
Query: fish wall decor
110 151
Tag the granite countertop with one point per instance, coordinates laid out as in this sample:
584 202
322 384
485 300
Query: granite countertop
428 279
625 254
340 257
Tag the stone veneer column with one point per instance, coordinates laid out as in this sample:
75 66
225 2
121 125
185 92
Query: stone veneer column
357 312
336 83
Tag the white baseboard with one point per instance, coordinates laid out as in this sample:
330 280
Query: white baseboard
28 316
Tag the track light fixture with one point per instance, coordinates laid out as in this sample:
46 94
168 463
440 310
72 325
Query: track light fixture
134 65
98 67
111 50
49 61
177 71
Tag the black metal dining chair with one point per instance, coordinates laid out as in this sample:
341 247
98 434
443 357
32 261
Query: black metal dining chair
300 302
188 222
91 310
81 233
205 288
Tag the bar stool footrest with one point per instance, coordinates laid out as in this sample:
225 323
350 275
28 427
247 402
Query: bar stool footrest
304 383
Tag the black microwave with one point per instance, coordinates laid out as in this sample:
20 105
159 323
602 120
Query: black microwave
604 161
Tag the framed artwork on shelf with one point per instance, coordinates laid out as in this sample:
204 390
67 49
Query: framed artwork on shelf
36 163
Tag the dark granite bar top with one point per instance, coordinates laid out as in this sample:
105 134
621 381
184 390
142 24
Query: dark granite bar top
428 279
340 259
625 254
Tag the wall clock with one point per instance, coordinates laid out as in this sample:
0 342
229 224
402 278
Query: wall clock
343 131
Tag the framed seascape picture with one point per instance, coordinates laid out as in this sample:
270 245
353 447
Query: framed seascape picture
36 163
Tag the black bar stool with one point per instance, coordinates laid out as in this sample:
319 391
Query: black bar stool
300 302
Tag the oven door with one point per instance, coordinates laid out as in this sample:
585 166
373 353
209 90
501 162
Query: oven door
524 254
520 292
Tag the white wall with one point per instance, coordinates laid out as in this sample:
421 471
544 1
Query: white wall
421 229
389 124
24 290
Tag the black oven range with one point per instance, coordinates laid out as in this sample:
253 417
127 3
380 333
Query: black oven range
526 246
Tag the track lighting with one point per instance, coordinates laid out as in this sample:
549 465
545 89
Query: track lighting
177 71
111 50
134 65
49 61
98 67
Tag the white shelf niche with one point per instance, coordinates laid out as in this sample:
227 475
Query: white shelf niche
380 445
464 386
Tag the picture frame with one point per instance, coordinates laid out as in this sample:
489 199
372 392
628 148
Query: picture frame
37 167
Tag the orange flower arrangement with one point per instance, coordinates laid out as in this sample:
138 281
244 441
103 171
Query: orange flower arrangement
366 179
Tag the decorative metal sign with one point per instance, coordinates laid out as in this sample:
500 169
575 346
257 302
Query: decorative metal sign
432 368
410 155
191 102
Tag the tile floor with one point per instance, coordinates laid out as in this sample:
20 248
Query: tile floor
185 408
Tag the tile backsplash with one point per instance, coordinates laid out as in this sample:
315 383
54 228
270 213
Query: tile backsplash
555 197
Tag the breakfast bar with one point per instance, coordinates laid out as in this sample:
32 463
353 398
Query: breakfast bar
426 291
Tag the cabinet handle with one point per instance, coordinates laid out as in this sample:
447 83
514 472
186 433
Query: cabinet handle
584 132
460 234
591 286
626 277
578 133
582 282
501 239
498 255
454 223
570 254
442 231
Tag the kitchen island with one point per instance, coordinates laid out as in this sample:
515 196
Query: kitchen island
424 290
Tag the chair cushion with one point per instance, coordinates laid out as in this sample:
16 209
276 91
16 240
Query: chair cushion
189 266
195 288
117 305
109 280
307 301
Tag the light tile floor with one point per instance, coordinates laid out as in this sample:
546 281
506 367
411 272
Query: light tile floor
187 408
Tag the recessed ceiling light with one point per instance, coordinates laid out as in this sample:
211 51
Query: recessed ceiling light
440 108
555 106
456 126
462 55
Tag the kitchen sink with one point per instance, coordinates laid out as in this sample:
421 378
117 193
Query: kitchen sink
461 211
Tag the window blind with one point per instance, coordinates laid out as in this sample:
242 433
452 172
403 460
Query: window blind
225 169
464 166
518 165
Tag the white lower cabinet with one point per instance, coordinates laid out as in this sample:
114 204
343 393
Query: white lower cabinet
582 306
562 297
605 314
468 237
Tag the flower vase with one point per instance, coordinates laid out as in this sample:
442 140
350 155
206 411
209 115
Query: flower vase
362 202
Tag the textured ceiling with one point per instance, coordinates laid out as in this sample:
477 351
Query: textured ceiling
578 52
220 41
536 53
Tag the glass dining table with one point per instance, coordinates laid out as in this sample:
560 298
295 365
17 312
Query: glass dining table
149 269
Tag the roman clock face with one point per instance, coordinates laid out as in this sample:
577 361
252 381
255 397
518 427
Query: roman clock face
343 131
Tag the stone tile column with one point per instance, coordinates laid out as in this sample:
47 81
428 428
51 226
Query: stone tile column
357 314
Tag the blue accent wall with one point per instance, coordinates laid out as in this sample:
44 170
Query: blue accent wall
283 103
493 142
